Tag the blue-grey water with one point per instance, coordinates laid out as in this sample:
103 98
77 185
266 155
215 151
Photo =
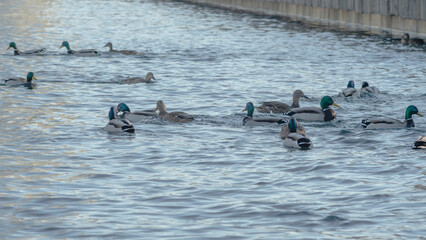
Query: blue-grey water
63 177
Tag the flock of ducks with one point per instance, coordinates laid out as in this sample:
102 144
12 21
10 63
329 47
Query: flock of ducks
292 132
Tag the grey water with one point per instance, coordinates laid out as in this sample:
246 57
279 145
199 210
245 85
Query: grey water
63 177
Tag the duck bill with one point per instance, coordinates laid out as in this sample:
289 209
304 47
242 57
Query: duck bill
60 47
155 110
34 78
335 104
421 115
9 48
306 97
106 45
245 109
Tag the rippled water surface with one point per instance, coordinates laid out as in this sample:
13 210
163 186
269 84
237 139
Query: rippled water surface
63 177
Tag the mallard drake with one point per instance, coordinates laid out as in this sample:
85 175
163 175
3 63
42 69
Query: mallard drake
147 79
382 123
134 116
405 39
22 81
16 51
366 88
291 126
250 120
294 136
350 90
324 114
79 52
179 117
116 125
280 107
420 143
125 52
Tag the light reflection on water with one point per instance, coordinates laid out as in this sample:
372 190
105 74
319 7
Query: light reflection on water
64 177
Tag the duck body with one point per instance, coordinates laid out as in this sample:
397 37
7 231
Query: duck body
134 116
125 52
28 82
280 107
366 88
350 90
294 136
178 117
84 52
16 51
390 123
250 120
149 76
420 143
405 39
313 114
116 125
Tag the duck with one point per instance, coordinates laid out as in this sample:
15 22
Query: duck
294 135
116 125
280 107
420 143
16 51
132 80
366 88
386 123
350 90
323 114
80 52
405 39
125 52
134 116
250 120
17 81
178 117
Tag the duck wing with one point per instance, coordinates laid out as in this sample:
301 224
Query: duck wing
349 92
133 80
273 106
181 115
269 120
15 81
35 51
380 123
88 51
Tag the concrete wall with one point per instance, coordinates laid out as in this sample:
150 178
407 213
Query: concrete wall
393 16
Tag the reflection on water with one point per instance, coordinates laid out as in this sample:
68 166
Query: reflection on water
64 177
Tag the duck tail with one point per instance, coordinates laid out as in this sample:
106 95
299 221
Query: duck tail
289 113
420 143
282 121
365 123
304 143
128 129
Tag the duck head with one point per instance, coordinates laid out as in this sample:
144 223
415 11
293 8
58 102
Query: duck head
351 84
292 125
364 84
299 94
327 101
12 45
249 108
31 77
112 113
109 44
412 110
406 36
65 44
160 106
150 76
122 107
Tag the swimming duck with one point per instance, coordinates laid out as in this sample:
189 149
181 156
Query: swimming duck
22 81
125 52
294 136
250 120
179 117
366 88
80 52
405 39
147 79
116 125
134 116
280 107
420 143
16 51
382 123
325 113
350 90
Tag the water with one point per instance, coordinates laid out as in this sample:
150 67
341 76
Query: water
62 176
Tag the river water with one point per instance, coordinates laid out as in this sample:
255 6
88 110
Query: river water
63 177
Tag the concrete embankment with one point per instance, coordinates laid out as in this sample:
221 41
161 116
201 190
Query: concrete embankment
393 16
